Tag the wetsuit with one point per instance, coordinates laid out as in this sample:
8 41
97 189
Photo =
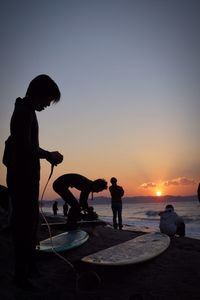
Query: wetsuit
61 186
116 192
21 157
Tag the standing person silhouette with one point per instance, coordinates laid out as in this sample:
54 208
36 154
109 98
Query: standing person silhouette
198 192
65 209
117 193
22 156
55 208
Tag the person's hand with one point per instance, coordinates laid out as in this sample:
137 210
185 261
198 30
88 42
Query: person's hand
55 158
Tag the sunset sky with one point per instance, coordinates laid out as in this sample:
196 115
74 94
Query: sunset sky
129 75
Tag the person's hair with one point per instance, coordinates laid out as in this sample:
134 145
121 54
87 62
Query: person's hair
43 85
101 183
113 180
169 206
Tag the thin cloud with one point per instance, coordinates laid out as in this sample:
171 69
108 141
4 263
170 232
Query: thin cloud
148 185
179 181
173 182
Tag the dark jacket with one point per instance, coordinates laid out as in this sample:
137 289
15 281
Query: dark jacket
22 151
117 193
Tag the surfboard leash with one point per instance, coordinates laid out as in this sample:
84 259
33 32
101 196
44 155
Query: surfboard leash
79 277
48 226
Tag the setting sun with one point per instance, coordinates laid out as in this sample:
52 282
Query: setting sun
158 193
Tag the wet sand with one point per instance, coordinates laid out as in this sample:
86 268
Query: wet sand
175 274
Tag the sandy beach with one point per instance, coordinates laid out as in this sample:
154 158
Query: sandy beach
174 274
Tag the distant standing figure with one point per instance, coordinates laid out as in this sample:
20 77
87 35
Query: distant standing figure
62 185
55 208
198 192
117 193
171 223
22 156
65 209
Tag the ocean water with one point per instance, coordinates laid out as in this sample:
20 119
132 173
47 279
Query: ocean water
144 216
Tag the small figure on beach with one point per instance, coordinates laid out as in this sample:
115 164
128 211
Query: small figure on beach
117 193
171 223
22 156
86 186
198 192
55 208
65 209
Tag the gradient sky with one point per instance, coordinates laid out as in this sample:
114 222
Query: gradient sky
129 76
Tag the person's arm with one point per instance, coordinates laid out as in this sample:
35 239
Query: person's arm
111 191
179 220
121 191
53 158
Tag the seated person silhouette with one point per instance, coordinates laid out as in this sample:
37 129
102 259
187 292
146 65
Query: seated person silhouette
86 186
171 223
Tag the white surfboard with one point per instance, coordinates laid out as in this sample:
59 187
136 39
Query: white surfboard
134 251
64 241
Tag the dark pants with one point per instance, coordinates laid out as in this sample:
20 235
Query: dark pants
68 197
117 213
24 194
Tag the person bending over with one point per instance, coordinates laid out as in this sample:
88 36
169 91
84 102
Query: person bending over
170 223
22 156
86 186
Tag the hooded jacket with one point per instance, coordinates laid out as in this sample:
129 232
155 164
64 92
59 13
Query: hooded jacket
169 220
